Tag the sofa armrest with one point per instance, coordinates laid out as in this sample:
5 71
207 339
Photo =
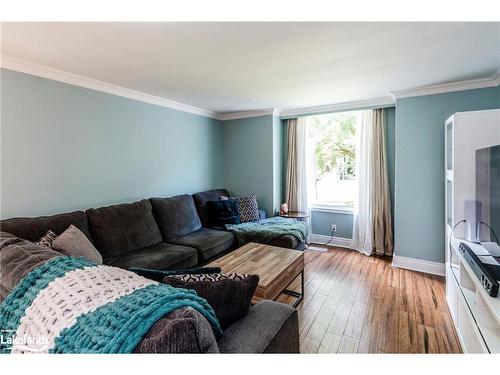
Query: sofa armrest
184 330
262 214
269 327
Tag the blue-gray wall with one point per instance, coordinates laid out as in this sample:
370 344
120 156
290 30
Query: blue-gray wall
322 221
65 147
249 166
419 174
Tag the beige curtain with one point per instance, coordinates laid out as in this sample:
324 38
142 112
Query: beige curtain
380 192
372 224
296 180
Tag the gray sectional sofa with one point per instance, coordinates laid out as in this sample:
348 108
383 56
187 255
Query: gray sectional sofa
158 233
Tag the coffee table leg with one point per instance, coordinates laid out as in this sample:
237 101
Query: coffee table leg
292 293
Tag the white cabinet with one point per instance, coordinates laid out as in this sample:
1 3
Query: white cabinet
465 132
475 314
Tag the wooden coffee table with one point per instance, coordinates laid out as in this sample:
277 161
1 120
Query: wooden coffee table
276 267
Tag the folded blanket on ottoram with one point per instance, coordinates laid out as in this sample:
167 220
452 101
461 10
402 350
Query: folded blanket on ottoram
265 230
71 305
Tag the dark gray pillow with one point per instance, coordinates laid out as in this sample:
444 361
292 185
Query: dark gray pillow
223 212
229 298
201 199
176 216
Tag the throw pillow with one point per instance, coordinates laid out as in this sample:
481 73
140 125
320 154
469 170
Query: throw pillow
210 277
247 208
223 212
47 239
159 275
229 298
72 242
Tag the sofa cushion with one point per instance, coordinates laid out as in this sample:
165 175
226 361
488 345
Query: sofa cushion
182 331
208 242
121 228
269 327
176 216
159 256
32 229
201 199
18 257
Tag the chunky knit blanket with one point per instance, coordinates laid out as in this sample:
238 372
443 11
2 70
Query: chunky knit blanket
71 305
265 230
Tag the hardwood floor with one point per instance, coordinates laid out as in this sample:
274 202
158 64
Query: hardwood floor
359 304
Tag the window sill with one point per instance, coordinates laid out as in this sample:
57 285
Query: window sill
332 209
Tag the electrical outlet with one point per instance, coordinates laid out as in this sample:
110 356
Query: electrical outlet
334 227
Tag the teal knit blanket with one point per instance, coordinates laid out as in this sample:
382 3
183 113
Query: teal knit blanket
265 230
71 305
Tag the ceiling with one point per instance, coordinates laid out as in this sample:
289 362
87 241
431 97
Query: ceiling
229 67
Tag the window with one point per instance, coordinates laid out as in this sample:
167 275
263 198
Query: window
331 157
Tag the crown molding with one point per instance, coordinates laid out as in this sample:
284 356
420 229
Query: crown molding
381 102
442 88
247 114
497 77
23 66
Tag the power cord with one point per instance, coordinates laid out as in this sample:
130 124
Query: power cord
331 239
492 232
451 235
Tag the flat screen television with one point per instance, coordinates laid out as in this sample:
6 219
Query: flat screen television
488 190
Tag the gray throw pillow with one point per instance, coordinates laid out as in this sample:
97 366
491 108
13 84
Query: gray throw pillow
72 242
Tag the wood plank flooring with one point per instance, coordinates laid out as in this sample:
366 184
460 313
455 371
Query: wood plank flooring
359 304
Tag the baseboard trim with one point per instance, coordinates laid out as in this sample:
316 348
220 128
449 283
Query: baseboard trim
419 265
334 241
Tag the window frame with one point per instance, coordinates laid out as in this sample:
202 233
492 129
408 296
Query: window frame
326 207
332 208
